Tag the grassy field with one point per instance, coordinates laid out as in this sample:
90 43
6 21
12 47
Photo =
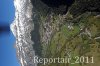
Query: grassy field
79 41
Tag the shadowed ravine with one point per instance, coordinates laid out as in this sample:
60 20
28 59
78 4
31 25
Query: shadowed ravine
35 37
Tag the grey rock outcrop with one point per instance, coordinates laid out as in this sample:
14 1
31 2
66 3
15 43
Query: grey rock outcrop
21 28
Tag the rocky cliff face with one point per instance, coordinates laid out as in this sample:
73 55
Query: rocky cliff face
21 28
